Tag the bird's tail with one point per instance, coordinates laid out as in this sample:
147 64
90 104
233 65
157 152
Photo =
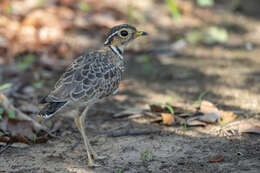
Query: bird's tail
51 108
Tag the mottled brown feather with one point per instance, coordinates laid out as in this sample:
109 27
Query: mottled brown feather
90 77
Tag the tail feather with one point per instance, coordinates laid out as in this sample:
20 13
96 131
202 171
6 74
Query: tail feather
43 100
51 108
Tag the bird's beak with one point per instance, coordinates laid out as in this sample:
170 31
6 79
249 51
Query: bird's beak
140 33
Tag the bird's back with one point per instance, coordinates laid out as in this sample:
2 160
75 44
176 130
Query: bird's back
88 79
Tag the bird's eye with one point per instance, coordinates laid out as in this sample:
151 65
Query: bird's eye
124 33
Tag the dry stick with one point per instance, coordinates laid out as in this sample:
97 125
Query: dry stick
5 103
5 148
112 130
230 127
131 133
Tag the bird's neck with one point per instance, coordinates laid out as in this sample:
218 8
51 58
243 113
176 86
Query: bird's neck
118 50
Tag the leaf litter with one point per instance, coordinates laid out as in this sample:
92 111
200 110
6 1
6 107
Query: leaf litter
15 126
207 113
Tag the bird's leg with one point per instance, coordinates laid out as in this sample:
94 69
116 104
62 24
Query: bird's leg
80 123
92 151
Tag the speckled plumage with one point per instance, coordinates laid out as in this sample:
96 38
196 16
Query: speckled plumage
88 79
91 77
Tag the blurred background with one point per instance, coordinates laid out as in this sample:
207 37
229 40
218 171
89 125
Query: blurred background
194 46
196 49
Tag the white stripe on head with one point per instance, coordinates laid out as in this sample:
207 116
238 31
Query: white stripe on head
114 49
109 37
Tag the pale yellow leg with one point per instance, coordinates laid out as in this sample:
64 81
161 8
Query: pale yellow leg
80 123
92 151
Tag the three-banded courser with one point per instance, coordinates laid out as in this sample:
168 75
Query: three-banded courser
90 78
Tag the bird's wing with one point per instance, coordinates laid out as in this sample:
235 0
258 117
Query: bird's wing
88 76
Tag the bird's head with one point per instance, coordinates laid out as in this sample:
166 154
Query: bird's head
120 35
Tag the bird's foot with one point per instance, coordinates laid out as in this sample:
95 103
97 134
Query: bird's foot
97 157
92 164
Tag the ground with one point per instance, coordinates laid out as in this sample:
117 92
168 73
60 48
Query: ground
228 73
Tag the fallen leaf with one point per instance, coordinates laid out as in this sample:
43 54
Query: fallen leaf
248 127
227 116
156 120
48 35
209 117
29 108
208 107
195 122
168 108
17 127
127 112
203 119
120 98
15 130
179 120
167 119
156 108
217 158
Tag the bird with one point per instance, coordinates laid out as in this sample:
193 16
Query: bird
90 78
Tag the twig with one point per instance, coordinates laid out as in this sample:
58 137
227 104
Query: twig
4 148
131 117
224 131
131 133
4 102
113 130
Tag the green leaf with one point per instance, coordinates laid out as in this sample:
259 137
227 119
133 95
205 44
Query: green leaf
185 127
144 156
173 9
193 37
170 109
1 113
11 114
37 84
34 138
84 6
216 35
120 170
222 123
5 86
205 3
27 62
199 100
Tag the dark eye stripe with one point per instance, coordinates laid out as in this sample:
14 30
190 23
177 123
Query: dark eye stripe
124 33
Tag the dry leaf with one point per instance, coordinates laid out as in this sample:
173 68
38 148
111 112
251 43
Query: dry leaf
217 158
227 116
167 119
203 119
195 122
48 35
247 127
208 107
14 130
127 112
177 110
19 127
209 117
179 120
156 108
